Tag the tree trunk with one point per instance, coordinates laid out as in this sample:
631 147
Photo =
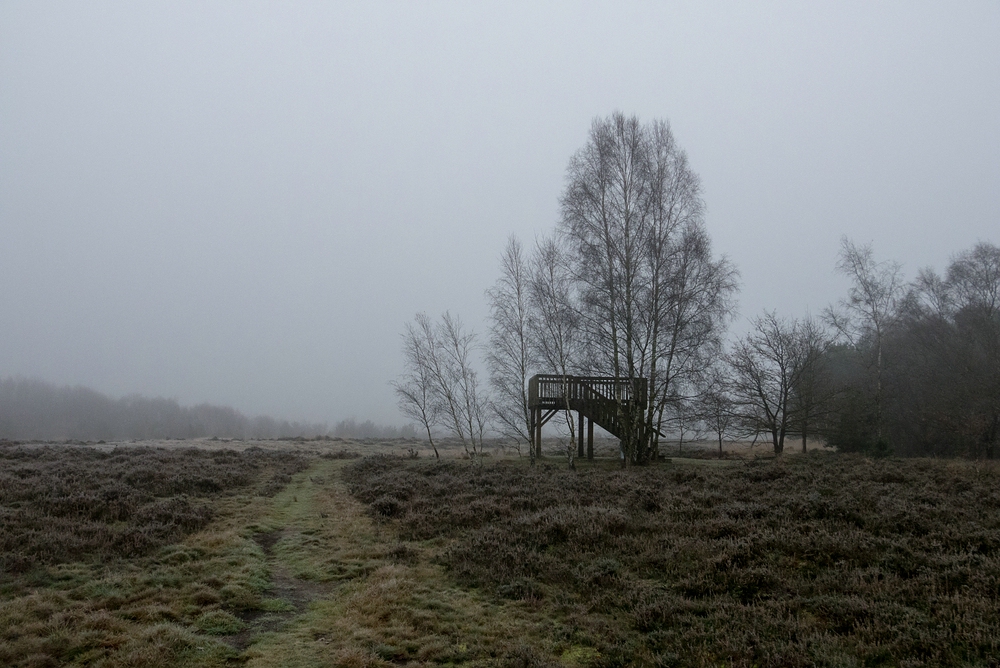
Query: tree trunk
431 440
990 436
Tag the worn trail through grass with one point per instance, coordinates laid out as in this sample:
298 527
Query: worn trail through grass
356 596
289 571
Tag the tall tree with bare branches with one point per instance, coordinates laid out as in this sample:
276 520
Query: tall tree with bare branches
653 300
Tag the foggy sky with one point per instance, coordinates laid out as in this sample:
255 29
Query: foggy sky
243 203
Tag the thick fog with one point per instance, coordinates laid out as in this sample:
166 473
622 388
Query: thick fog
243 203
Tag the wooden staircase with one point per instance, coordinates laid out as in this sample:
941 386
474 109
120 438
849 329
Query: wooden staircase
598 400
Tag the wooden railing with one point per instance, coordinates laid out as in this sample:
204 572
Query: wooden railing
570 392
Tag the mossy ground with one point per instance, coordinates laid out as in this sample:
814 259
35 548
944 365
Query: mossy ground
378 601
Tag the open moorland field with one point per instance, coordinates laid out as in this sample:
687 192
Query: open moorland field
304 554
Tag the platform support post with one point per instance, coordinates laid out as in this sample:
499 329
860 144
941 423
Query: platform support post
590 438
538 432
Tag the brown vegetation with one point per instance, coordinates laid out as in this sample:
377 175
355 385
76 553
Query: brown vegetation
816 559
60 504
92 574
811 560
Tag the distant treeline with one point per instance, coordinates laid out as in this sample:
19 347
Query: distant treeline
351 428
32 409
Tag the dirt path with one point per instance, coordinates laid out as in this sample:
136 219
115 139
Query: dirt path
317 541
289 596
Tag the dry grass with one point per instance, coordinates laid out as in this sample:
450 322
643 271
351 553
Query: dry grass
79 589
70 503
300 578
810 560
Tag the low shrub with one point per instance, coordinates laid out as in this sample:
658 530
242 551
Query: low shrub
64 503
808 560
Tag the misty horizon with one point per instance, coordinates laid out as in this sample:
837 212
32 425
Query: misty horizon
242 205
34 410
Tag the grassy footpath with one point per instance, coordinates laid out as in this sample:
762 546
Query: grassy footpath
290 570
376 601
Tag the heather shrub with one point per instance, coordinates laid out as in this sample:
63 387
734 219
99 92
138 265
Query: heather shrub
807 560
62 504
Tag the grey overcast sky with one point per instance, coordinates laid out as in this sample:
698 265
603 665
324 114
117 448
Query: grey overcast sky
243 203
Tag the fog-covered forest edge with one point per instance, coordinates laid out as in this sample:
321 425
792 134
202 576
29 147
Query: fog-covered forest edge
32 409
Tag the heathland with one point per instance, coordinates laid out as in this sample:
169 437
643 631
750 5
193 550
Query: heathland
308 554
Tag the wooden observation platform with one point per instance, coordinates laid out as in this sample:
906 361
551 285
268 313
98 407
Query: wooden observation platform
595 399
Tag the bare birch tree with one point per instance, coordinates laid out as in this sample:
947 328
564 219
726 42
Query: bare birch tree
865 318
653 300
467 406
415 391
443 362
556 335
511 358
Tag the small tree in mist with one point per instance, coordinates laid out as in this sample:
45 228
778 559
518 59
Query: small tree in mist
556 335
415 391
814 391
469 410
715 404
686 420
440 381
766 366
